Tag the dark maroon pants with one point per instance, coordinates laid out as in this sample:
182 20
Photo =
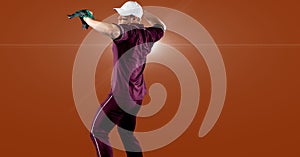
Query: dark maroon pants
110 114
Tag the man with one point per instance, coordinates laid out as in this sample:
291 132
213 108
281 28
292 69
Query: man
132 42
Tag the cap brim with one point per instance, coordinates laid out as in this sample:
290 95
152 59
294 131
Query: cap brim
122 12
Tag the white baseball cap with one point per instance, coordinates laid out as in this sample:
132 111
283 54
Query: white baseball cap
130 8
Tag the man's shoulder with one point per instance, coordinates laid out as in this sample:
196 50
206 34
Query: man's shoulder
158 26
131 26
138 27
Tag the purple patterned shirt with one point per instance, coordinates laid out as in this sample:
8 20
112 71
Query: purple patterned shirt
129 57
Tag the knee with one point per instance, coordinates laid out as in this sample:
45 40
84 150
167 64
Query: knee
100 134
124 132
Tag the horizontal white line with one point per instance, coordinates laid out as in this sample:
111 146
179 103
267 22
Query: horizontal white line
175 44
243 45
46 45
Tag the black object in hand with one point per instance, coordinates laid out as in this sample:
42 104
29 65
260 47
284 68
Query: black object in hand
81 14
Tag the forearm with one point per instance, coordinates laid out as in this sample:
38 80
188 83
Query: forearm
101 27
152 19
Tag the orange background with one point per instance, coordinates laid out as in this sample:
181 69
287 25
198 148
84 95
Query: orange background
259 42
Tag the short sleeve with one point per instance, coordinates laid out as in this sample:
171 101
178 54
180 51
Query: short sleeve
156 32
124 33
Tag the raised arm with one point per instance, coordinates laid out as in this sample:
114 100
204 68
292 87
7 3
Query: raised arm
153 20
108 29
